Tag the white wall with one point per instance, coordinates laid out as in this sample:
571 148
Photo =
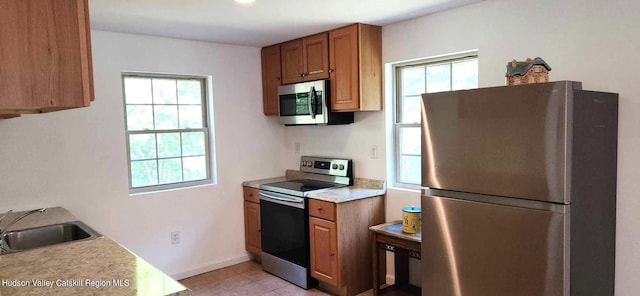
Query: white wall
592 41
77 158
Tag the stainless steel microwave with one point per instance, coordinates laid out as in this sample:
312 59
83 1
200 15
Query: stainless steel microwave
309 103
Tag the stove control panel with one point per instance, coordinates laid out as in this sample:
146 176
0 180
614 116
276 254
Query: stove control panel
326 166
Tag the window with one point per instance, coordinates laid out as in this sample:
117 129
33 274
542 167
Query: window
167 131
412 80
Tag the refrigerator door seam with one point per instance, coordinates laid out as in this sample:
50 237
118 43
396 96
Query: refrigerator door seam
497 200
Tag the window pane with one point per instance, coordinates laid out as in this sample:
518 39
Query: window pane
166 125
142 146
170 170
438 78
193 143
189 92
410 140
190 116
465 74
409 169
166 117
139 117
194 168
413 81
411 109
168 145
144 173
137 90
164 91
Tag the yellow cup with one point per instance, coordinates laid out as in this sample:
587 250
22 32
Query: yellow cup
411 219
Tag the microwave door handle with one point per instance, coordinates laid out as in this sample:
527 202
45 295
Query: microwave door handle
312 94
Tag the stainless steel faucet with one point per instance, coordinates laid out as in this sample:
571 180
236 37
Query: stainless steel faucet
14 221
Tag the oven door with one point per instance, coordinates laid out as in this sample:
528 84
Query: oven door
303 103
284 227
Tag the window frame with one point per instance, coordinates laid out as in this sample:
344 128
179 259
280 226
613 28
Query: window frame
397 126
205 83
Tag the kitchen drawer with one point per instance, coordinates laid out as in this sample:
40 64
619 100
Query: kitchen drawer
251 194
322 209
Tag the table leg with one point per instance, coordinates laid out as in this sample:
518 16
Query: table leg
402 267
376 265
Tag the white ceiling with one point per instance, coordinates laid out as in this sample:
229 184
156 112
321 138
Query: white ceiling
262 23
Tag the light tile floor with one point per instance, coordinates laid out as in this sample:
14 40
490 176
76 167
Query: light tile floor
244 279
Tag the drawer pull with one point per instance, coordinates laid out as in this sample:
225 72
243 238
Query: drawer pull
320 208
332 254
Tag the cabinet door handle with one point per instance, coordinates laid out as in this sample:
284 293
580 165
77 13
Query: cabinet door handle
330 70
332 254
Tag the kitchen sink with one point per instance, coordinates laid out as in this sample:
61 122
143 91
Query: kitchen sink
26 239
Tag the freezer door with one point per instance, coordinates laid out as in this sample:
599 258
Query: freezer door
506 141
476 249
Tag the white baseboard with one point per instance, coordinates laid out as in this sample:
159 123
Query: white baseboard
390 278
210 267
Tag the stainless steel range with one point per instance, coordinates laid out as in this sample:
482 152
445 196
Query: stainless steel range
284 217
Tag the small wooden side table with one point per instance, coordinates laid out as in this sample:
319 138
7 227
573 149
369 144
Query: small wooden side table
389 237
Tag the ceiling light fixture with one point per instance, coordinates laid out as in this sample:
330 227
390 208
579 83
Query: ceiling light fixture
245 1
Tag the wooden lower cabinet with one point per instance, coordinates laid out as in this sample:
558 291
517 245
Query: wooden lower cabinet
324 250
252 222
340 241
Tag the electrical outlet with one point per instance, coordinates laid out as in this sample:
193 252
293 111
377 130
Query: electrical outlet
297 147
374 152
175 237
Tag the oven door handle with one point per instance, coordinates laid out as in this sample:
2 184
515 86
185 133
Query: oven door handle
293 201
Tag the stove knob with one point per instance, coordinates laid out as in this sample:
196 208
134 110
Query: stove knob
334 166
341 167
309 163
304 163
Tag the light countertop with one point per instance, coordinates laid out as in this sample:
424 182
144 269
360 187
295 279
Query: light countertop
362 188
289 175
90 267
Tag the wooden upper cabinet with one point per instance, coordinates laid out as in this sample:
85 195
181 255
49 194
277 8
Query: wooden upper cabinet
45 60
292 61
271 79
355 63
316 57
305 59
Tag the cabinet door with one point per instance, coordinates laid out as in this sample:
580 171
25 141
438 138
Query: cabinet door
292 62
343 61
324 251
316 57
270 79
45 61
252 227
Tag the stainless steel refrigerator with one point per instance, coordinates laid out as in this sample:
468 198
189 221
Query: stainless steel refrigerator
519 191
